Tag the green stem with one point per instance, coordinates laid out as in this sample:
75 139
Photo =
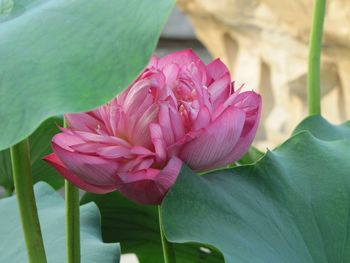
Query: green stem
168 250
72 221
314 68
22 176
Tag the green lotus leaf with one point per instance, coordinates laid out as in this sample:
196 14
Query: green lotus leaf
68 56
291 206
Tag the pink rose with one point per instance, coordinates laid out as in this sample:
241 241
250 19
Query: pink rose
178 110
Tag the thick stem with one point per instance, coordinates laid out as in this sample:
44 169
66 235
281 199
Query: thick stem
168 250
22 176
314 68
72 221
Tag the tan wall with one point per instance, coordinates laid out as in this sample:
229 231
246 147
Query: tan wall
264 42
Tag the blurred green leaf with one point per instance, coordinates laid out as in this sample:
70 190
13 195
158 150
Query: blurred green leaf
51 211
67 56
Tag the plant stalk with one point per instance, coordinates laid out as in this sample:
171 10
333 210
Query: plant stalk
168 250
72 220
72 223
314 66
22 177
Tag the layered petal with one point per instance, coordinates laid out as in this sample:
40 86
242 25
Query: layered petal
181 58
220 90
158 142
248 133
149 186
208 150
83 121
171 123
91 169
56 163
216 69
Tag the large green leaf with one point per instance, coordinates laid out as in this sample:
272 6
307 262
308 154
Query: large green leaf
136 228
291 206
52 219
65 56
323 129
40 142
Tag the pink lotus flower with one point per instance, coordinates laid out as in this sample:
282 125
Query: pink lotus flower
178 110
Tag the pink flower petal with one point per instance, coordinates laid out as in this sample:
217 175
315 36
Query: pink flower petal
139 150
216 69
66 139
138 98
171 72
56 163
158 142
203 119
153 62
171 123
165 123
91 169
82 121
146 163
91 137
150 186
112 116
195 73
220 90
133 164
113 152
140 134
181 58
176 123
207 151
248 134
87 147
